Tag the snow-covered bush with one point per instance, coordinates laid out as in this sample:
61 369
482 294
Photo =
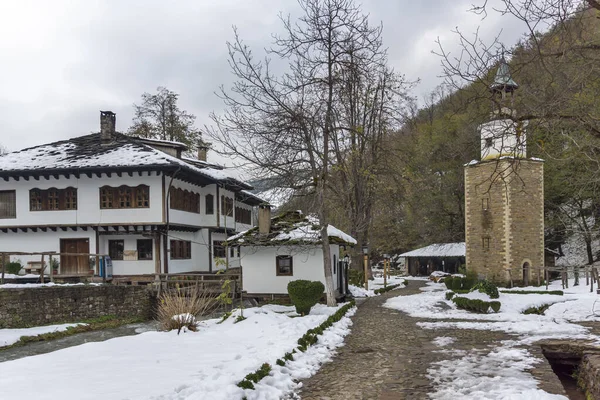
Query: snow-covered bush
178 309
305 294
476 305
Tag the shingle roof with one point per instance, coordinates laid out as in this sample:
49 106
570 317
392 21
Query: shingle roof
88 153
290 228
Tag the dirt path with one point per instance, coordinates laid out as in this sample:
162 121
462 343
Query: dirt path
386 357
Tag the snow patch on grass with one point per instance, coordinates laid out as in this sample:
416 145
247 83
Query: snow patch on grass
442 341
12 336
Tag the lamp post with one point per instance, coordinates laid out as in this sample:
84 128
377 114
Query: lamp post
385 267
365 250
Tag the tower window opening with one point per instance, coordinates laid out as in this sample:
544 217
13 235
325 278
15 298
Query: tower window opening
488 142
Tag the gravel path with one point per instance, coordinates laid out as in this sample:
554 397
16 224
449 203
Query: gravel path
387 355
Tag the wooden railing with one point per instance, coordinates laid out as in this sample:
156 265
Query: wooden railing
212 283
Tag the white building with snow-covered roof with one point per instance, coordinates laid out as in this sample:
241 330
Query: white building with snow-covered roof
286 248
138 200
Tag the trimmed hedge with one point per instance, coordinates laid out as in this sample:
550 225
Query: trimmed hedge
305 294
389 287
537 310
554 292
488 288
308 339
476 305
449 295
460 283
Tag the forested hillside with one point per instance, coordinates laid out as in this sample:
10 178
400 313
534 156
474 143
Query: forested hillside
421 197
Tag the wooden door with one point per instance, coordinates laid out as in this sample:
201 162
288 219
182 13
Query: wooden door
73 264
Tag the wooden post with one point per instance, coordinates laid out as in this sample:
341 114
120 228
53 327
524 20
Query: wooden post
385 273
592 281
546 276
3 268
42 268
567 277
51 269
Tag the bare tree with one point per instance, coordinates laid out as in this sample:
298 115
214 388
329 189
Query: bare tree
159 117
291 126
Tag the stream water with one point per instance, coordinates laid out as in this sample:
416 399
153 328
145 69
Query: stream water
36 348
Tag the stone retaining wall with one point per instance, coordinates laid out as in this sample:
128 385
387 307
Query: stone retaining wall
59 304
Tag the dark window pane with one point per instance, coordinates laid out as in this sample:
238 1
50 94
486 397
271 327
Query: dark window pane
144 249
115 249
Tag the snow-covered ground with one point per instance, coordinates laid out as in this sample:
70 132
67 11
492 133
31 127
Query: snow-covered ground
499 373
193 365
11 336
377 283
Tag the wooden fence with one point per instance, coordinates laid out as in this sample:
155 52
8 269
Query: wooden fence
542 275
206 282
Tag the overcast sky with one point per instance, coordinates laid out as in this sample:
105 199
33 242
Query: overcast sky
62 61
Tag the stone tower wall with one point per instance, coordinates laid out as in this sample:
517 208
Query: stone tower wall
504 217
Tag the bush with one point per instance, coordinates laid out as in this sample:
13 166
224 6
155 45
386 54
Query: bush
386 289
476 305
553 292
537 310
449 295
495 305
178 309
356 277
448 282
469 281
488 288
13 267
305 294
457 283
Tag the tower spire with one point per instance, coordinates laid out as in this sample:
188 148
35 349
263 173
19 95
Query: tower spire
503 82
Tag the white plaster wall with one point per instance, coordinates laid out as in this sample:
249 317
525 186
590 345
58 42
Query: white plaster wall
505 142
125 267
259 268
88 201
30 242
199 260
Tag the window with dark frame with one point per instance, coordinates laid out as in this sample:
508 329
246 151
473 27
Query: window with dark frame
181 250
485 203
485 242
284 265
243 215
115 249
219 250
144 249
53 199
226 206
184 200
209 204
8 204
125 197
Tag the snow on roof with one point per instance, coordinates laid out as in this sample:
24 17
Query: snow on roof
438 250
291 228
89 152
170 143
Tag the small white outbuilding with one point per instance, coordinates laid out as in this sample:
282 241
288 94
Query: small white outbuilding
286 248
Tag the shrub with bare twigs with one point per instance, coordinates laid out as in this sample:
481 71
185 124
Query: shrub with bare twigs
178 309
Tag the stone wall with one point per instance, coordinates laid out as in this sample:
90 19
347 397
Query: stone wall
504 218
59 304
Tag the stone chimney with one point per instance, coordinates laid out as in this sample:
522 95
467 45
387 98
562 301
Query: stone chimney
202 150
264 219
108 121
